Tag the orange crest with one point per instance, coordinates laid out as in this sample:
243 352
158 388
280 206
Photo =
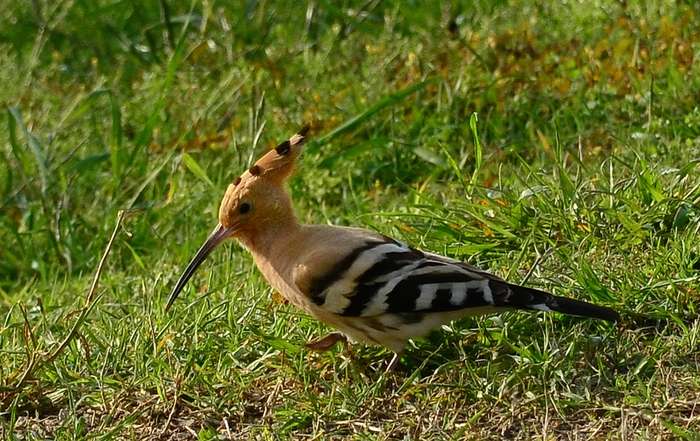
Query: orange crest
267 174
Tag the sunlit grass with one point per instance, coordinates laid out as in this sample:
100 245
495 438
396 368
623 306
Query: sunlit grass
584 182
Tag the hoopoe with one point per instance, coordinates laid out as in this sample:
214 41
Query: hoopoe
370 287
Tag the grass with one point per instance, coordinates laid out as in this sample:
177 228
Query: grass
583 181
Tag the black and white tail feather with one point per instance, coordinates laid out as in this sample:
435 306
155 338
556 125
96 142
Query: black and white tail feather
388 277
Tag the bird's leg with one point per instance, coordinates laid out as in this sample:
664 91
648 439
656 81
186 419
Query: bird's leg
395 362
327 342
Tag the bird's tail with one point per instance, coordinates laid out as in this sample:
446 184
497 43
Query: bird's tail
534 299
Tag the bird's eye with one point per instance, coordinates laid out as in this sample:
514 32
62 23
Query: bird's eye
245 207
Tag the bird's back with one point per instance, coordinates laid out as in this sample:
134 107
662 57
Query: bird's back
350 277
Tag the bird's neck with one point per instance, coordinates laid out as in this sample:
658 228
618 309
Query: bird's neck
271 245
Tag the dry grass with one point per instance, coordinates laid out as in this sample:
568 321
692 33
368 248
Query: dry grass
584 182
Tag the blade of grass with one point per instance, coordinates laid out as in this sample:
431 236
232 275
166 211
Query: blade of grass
478 154
80 109
34 146
150 178
455 167
358 119
115 139
197 170
342 16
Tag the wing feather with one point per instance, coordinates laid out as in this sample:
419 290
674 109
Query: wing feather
376 275
382 276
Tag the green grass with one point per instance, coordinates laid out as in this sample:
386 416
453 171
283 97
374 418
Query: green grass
584 182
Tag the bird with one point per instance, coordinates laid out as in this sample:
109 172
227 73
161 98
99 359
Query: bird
369 287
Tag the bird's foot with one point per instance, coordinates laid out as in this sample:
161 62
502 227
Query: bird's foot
327 342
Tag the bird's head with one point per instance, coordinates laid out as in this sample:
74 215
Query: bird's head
254 198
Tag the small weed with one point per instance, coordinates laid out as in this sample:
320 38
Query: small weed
554 144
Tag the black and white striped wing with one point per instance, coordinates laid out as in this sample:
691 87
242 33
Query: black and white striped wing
385 276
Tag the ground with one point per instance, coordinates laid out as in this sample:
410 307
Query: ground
553 143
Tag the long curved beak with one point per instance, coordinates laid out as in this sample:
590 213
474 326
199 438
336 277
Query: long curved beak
215 238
